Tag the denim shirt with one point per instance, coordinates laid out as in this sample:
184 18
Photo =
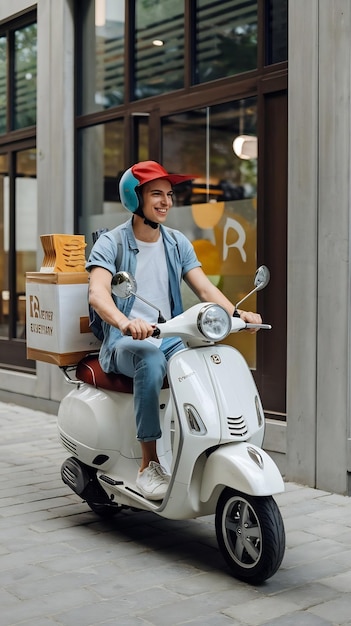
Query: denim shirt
180 257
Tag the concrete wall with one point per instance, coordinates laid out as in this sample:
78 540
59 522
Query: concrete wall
55 140
318 244
55 164
11 8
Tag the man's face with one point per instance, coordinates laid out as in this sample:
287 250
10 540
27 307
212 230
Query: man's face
157 199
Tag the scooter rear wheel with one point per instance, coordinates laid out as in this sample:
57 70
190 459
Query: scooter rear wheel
250 534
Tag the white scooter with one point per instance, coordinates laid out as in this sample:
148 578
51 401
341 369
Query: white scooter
212 423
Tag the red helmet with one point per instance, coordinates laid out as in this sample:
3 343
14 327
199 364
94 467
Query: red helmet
138 175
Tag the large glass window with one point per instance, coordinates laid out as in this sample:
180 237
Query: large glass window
18 183
18 77
26 221
25 76
101 80
226 38
277 31
130 51
141 137
159 47
101 150
18 188
218 145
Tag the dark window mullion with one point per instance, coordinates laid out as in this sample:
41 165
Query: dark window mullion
12 245
129 51
8 82
129 55
78 91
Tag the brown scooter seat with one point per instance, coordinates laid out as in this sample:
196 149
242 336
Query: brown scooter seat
89 371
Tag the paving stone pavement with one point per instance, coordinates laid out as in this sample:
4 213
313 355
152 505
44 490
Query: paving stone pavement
61 565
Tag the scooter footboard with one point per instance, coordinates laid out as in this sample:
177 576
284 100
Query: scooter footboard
243 467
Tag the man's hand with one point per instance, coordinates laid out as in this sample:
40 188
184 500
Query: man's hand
138 328
251 318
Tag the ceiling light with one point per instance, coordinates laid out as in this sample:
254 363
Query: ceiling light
245 147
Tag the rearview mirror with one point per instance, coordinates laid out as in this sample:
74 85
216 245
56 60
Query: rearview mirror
123 285
262 277
261 280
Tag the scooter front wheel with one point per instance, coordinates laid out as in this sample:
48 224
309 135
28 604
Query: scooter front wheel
250 534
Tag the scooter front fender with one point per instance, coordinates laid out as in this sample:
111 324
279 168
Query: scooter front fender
244 467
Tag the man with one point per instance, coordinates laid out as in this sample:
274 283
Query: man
159 258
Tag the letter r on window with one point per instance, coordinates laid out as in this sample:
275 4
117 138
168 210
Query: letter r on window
232 224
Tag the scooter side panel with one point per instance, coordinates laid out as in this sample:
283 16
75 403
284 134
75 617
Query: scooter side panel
89 415
96 423
218 382
191 385
196 407
236 394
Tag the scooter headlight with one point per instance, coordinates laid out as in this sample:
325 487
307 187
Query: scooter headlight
214 322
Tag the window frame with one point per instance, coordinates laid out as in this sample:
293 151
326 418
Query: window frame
264 80
13 349
239 82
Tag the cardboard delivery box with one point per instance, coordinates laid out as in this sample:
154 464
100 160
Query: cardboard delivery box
57 315
57 318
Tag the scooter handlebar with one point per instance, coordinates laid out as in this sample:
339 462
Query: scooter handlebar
237 325
156 333
259 326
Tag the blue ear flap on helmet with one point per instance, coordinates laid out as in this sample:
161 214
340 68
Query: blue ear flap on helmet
129 194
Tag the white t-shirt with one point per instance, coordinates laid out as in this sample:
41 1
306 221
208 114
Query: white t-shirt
152 283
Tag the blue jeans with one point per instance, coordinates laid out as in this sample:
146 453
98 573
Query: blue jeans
147 365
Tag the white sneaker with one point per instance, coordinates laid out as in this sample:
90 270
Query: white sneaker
153 481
